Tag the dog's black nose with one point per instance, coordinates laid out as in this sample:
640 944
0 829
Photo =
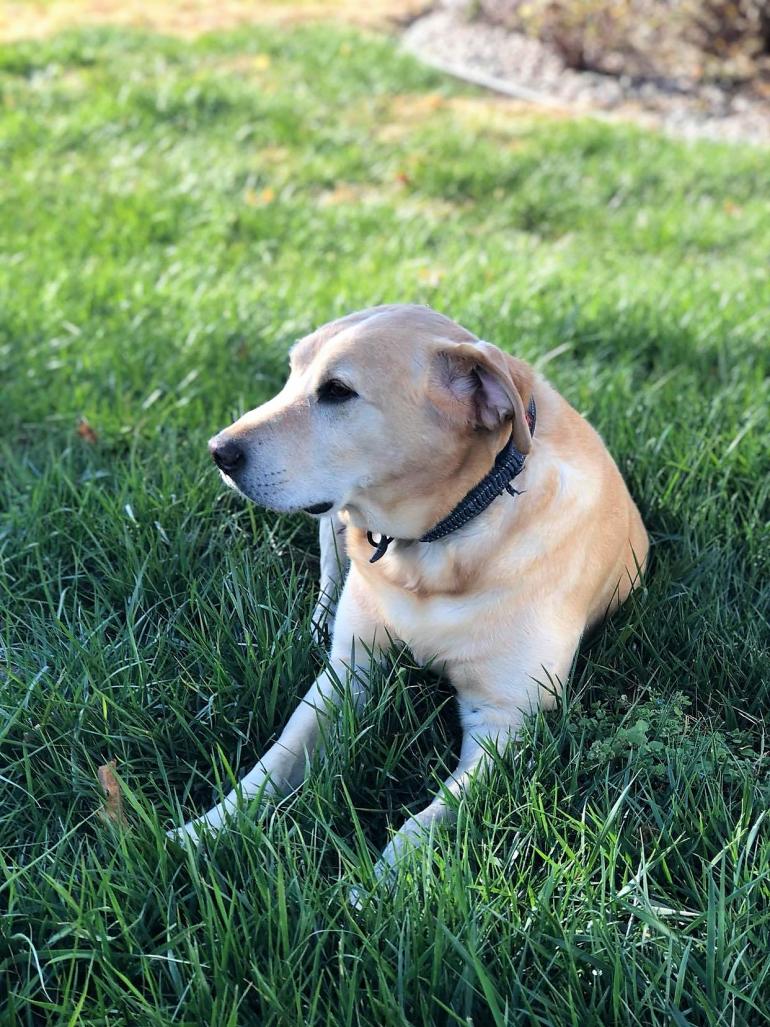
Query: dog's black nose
227 454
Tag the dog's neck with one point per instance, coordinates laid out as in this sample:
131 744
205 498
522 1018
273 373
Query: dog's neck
508 464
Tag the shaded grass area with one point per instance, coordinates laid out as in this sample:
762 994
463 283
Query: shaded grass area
174 216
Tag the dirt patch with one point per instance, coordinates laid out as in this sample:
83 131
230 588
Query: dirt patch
190 18
358 194
478 111
397 117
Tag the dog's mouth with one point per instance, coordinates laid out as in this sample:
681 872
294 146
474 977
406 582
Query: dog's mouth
263 500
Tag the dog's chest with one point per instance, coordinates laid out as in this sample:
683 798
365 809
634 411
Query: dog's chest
443 627
451 604
443 609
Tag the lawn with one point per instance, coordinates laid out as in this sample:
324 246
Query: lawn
174 215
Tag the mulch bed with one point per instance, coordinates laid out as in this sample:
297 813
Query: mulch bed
521 66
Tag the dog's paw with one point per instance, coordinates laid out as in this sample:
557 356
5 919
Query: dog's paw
186 834
358 897
385 878
194 831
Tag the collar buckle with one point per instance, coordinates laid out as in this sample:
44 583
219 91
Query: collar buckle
380 548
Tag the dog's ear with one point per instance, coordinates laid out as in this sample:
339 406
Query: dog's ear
482 386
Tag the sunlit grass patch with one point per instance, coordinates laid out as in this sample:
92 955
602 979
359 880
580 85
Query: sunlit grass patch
175 214
32 19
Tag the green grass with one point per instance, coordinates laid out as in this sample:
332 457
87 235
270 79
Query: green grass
173 216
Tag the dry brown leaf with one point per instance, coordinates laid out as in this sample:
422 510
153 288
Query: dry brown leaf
86 432
259 199
112 810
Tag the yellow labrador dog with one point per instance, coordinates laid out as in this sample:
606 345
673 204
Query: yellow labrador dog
469 510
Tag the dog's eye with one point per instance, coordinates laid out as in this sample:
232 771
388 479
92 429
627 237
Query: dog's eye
335 391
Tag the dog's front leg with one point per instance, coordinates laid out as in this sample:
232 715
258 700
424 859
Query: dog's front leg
475 756
282 768
511 688
334 568
358 636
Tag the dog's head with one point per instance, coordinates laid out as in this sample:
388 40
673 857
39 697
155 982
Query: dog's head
389 416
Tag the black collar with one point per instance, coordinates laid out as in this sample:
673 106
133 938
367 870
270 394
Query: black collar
509 463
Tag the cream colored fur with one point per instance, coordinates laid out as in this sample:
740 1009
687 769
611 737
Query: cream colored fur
500 605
